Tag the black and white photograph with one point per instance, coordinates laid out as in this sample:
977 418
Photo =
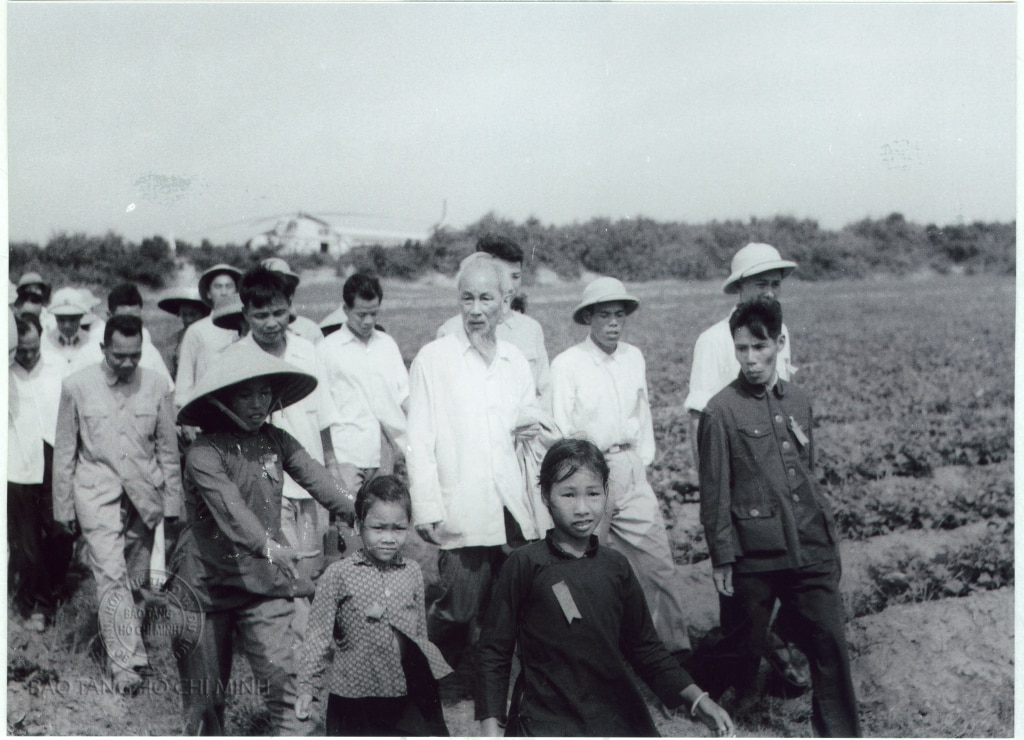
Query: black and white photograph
560 369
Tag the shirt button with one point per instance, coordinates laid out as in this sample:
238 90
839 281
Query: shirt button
754 512
785 445
792 472
796 498
778 418
387 592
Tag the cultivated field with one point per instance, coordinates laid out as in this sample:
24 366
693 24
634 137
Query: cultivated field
913 382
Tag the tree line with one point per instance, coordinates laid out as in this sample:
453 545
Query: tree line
632 249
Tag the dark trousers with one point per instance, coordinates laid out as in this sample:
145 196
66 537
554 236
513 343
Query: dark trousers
466 576
40 554
815 615
417 714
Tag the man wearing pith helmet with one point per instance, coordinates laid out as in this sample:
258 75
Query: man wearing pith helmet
216 285
599 391
757 271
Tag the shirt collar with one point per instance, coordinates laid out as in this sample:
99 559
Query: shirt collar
361 558
73 342
561 554
108 373
464 343
347 336
598 354
758 391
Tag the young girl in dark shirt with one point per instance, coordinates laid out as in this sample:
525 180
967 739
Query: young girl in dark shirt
578 615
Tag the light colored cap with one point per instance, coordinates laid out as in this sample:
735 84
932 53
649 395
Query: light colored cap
173 301
68 302
228 314
32 282
276 264
235 364
754 259
603 290
207 277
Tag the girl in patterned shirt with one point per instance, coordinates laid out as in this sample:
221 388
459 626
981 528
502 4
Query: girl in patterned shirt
369 609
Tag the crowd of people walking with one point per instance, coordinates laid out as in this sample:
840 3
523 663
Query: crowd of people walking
232 456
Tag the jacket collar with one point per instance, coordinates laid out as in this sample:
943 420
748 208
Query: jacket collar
361 558
758 391
558 552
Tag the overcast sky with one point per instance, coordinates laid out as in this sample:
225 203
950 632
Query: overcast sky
178 119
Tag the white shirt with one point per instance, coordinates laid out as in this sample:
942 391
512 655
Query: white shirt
305 419
604 397
715 364
33 399
369 383
460 455
62 351
201 339
527 335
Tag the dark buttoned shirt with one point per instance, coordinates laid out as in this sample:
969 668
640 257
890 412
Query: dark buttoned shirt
579 622
761 507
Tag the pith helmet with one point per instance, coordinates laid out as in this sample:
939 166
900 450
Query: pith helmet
602 290
754 259
208 276
173 301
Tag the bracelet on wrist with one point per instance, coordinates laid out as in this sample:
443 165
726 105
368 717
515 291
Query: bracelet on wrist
693 707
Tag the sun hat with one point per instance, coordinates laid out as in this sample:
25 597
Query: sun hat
32 282
228 314
208 276
278 265
333 321
238 363
173 301
602 290
67 302
754 259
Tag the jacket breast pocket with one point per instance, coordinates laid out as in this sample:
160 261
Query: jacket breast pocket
759 531
95 422
145 424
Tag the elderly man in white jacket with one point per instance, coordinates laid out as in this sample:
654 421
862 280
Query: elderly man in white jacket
469 391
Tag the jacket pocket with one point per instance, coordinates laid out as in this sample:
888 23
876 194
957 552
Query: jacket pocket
759 531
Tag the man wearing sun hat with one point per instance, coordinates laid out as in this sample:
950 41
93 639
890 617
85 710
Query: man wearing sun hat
33 293
757 271
66 340
186 304
233 552
599 391
216 284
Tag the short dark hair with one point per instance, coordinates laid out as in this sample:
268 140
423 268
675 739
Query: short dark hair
28 321
501 247
124 324
259 287
361 285
761 316
386 488
124 294
565 457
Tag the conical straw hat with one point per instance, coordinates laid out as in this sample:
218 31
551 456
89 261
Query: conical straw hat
235 364
173 301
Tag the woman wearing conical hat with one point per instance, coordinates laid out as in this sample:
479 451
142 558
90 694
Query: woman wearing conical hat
230 550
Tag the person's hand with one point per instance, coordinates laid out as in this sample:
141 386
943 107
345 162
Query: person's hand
190 433
715 718
303 706
723 579
428 533
68 528
285 557
490 728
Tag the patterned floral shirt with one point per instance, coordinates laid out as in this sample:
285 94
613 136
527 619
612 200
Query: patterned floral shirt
362 610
